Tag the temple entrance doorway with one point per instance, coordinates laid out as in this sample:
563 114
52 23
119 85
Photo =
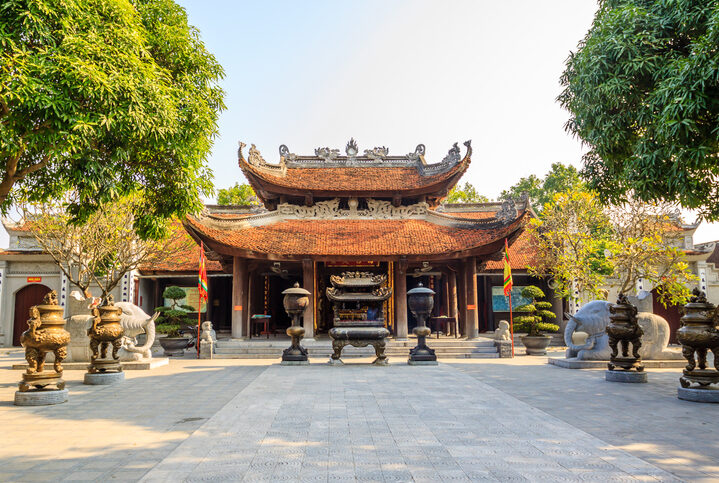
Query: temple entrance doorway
324 313
25 298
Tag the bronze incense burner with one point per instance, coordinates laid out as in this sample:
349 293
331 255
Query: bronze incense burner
105 332
623 329
697 335
46 333
421 303
295 302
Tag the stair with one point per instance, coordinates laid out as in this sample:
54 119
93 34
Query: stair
322 348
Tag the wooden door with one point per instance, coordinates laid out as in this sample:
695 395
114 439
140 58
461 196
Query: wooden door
25 298
671 314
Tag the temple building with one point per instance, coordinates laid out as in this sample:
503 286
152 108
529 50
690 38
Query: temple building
330 214
371 212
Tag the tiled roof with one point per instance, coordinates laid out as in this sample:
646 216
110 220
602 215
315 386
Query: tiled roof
714 257
521 255
184 258
345 179
352 237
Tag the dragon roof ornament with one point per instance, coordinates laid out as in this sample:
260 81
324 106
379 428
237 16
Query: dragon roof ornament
376 157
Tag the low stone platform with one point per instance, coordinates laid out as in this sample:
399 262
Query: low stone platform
103 378
695 394
145 365
577 364
40 398
631 377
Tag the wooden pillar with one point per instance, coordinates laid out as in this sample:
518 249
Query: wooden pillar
452 293
308 283
239 292
472 323
461 280
246 297
400 300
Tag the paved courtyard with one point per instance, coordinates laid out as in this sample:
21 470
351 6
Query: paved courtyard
469 420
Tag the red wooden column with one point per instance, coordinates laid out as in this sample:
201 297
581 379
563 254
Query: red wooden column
461 279
400 299
308 283
472 323
452 294
239 291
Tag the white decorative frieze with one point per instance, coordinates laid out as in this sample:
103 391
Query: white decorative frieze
376 209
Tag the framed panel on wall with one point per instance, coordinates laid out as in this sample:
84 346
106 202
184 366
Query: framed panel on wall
500 303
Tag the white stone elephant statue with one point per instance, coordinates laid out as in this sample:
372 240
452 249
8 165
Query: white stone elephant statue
134 321
593 318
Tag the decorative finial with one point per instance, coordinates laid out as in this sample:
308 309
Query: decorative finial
296 285
351 149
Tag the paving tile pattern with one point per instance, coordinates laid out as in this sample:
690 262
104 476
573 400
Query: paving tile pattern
646 420
397 423
111 433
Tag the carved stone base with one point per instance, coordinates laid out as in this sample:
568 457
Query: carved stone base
379 347
626 363
626 376
102 366
40 397
40 381
695 394
422 353
702 377
103 378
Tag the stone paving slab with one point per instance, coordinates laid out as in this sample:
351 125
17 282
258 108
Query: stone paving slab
397 423
111 433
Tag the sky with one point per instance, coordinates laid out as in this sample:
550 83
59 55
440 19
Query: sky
398 73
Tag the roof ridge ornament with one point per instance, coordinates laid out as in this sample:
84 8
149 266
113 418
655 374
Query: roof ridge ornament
418 153
351 149
327 154
377 153
507 212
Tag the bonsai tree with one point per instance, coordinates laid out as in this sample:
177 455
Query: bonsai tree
173 319
536 314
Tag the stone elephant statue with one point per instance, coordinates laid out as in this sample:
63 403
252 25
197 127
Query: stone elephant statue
134 321
593 318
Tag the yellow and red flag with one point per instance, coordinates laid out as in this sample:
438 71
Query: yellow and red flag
507 270
202 280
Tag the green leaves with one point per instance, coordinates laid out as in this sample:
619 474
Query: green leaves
239 194
106 98
642 92
465 194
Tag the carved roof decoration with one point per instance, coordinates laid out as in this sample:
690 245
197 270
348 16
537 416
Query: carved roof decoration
374 171
382 230
358 279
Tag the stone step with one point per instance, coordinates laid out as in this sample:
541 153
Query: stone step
344 356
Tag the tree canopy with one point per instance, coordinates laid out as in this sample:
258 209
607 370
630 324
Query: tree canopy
560 178
643 93
105 248
465 194
104 98
239 194
585 246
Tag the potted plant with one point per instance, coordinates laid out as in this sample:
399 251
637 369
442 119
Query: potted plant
173 321
535 320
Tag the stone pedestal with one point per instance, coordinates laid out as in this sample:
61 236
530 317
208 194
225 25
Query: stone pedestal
103 378
207 349
40 397
625 376
703 395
